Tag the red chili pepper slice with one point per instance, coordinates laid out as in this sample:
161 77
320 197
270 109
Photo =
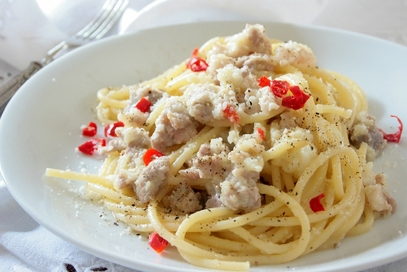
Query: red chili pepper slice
195 63
110 129
279 87
295 101
231 114
143 105
157 242
315 203
90 146
264 81
394 137
90 130
150 155
261 133
195 52
292 96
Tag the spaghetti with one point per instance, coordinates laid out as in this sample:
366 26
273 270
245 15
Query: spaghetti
247 153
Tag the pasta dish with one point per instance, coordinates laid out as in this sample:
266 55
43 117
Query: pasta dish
247 153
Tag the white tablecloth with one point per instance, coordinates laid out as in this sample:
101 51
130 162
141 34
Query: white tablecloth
25 245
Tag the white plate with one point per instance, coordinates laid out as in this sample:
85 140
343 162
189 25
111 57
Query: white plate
41 127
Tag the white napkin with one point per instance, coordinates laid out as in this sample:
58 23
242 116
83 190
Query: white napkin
26 246
30 28
25 33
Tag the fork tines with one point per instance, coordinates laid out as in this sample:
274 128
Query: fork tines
104 20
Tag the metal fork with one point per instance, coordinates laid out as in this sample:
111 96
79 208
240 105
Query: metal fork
96 29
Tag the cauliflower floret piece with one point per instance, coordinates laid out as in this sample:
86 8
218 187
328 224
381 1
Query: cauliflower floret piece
237 79
293 53
252 39
296 159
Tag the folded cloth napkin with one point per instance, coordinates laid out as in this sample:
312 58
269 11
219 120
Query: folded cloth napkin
25 33
29 28
25 245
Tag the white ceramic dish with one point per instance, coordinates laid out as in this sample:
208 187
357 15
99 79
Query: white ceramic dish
41 127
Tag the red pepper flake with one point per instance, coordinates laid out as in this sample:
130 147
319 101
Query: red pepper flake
264 81
394 137
231 114
195 63
90 146
110 129
261 133
150 155
295 101
143 105
315 203
292 96
279 87
90 130
157 242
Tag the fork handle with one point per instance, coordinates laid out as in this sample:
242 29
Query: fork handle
7 91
